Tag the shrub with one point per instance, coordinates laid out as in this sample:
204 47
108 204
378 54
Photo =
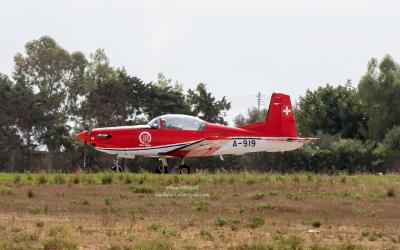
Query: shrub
200 207
108 201
59 179
34 210
128 179
154 245
6 191
58 231
17 180
143 189
256 221
76 178
292 242
41 179
253 246
59 240
221 221
30 193
390 192
39 224
107 178
316 223
257 195
80 201
205 235
155 227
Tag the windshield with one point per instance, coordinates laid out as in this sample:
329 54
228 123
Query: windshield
155 123
182 122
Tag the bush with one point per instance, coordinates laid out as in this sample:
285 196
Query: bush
257 195
6 191
41 179
17 180
316 223
108 201
200 207
59 179
256 221
107 178
390 192
30 193
34 210
221 221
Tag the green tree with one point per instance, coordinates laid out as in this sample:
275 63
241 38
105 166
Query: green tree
332 110
115 101
205 106
164 98
253 115
380 96
50 81
392 138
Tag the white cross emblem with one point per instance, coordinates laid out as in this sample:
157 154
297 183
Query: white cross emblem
286 110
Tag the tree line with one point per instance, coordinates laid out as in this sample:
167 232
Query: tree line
52 94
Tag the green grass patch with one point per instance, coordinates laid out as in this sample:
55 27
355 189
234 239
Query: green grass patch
255 221
142 189
257 195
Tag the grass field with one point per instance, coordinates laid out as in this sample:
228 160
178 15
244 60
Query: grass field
199 211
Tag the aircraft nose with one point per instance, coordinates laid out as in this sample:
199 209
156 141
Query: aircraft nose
83 136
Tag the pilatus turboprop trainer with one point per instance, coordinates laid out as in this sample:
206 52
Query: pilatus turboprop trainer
185 136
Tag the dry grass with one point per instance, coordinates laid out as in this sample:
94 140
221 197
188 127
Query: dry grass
200 211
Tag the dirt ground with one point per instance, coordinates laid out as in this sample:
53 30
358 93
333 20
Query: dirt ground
221 211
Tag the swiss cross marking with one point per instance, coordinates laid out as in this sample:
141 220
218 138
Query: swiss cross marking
286 110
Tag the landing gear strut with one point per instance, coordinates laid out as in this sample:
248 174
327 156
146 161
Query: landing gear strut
117 167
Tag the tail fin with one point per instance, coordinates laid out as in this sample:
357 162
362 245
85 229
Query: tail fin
280 118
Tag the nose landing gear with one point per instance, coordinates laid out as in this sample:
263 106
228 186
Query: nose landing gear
117 167
163 168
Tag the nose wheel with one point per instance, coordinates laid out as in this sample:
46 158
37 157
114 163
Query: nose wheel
117 167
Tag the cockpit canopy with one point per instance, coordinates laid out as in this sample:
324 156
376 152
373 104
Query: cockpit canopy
177 122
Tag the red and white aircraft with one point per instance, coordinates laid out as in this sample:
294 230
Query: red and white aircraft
185 136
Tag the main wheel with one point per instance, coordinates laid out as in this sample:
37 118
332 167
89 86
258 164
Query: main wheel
183 169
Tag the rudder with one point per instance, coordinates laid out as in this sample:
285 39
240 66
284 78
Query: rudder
280 119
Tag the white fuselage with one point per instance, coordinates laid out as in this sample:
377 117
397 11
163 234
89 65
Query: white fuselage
234 145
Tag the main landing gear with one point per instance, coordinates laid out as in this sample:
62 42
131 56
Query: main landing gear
117 167
184 169
163 168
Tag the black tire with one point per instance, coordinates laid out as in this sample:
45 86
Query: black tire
183 169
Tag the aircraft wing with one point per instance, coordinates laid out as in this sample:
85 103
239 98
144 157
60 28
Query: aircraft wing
203 147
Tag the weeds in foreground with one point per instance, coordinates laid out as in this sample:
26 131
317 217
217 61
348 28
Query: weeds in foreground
34 210
256 221
143 189
30 193
6 191
200 207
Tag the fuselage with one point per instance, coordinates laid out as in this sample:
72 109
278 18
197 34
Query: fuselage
165 135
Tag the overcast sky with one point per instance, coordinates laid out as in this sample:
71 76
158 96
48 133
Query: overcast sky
237 48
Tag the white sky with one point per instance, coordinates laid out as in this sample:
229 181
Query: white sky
236 47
